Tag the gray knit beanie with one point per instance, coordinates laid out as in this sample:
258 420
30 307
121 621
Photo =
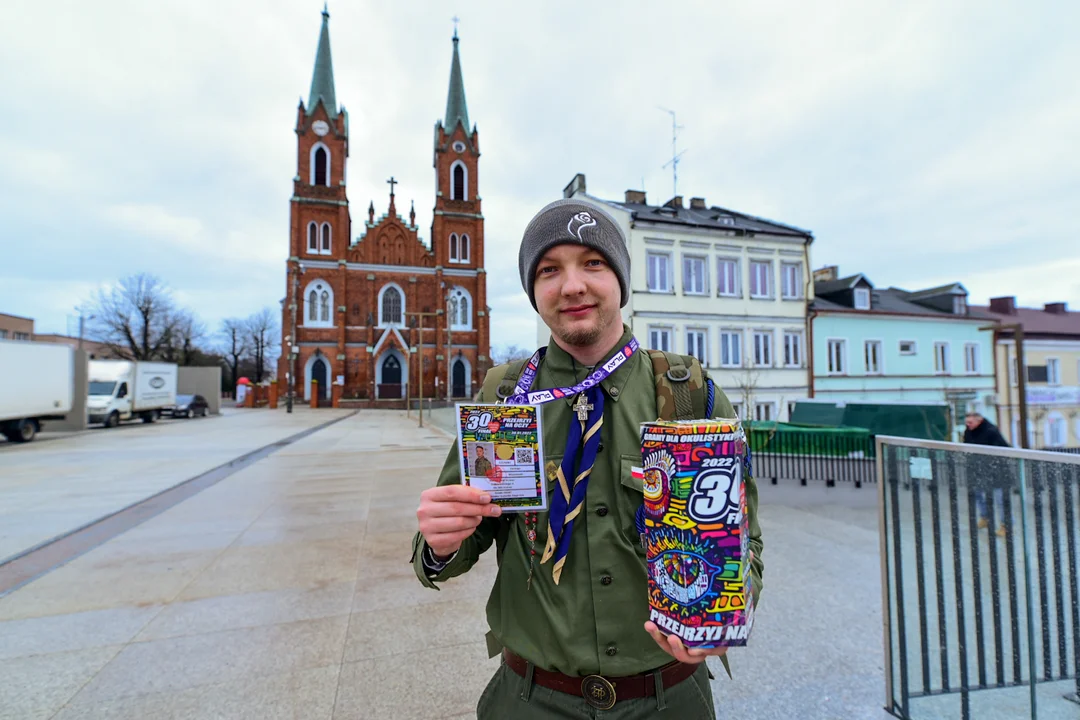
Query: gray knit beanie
572 221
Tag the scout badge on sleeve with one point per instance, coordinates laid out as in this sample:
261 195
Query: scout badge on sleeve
501 453
694 527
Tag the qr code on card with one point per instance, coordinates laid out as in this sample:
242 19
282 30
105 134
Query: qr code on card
523 456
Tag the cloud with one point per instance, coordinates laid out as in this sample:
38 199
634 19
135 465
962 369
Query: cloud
918 141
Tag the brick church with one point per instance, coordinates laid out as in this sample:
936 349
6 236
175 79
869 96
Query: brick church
367 319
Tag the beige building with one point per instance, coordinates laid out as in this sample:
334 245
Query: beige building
13 327
1052 361
728 288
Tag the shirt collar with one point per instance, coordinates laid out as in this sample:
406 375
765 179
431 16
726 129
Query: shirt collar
565 370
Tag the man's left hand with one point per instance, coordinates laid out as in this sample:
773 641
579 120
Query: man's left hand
673 644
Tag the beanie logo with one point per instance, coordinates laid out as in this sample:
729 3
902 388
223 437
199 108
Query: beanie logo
578 223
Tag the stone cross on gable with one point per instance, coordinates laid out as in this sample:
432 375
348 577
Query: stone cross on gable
391 182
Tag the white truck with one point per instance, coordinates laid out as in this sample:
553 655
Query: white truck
123 390
37 382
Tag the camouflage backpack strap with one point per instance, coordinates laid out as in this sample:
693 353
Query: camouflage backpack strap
681 393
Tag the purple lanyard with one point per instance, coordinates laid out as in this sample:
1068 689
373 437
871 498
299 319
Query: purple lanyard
522 395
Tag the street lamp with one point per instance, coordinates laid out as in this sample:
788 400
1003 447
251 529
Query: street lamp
294 345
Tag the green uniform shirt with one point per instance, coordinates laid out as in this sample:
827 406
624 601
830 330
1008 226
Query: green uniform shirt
592 621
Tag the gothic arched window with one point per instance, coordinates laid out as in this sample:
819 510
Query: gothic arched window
453 247
324 307
313 306
326 238
391 306
459 304
463 249
320 303
321 172
459 181
312 238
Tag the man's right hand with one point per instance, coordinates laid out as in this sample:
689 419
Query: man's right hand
450 513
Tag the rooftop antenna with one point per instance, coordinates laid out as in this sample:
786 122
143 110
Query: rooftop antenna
675 154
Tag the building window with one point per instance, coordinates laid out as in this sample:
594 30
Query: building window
791 410
791 279
326 238
22 336
320 300
737 407
862 298
959 305
837 350
1057 430
763 349
659 266
660 339
463 249
697 344
3 334
731 348
458 307
941 358
971 358
1053 371
694 276
908 347
727 278
392 306
312 238
763 411
453 248
1012 371
320 165
459 186
792 349
872 351
760 279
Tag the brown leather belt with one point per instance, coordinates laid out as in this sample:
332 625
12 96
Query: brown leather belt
602 692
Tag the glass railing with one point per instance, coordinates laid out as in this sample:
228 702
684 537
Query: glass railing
980 552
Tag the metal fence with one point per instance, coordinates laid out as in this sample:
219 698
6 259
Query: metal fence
809 455
979 580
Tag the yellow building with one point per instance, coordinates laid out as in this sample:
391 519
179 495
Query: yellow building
1052 359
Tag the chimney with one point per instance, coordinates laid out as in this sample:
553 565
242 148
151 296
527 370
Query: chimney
635 196
697 203
827 273
1055 308
675 202
577 185
1003 305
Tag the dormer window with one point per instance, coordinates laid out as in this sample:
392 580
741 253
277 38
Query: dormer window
862 298
959 305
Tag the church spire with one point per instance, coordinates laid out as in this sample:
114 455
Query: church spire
456 111
322 80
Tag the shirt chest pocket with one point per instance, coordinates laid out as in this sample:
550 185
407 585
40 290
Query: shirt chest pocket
630 493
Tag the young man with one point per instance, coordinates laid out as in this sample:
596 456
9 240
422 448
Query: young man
481 466
571 624
980 431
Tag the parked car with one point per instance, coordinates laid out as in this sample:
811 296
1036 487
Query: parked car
189 406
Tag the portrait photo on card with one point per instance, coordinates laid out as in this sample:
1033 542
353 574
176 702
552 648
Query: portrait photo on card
481 459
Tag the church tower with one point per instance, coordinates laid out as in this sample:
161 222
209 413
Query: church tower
457 227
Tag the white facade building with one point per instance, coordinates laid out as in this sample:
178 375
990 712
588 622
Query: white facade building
729 288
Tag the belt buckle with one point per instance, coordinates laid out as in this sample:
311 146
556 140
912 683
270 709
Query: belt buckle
598 692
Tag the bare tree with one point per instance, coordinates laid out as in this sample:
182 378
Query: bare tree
183 346
746 383
235 345
262 331
137 319
509 353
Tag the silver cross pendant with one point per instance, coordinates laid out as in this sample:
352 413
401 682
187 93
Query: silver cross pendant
582 407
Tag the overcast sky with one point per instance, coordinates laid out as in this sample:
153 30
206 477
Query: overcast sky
921 142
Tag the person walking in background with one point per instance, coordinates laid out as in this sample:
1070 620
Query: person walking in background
981 431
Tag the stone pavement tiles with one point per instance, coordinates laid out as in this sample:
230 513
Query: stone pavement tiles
284 592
